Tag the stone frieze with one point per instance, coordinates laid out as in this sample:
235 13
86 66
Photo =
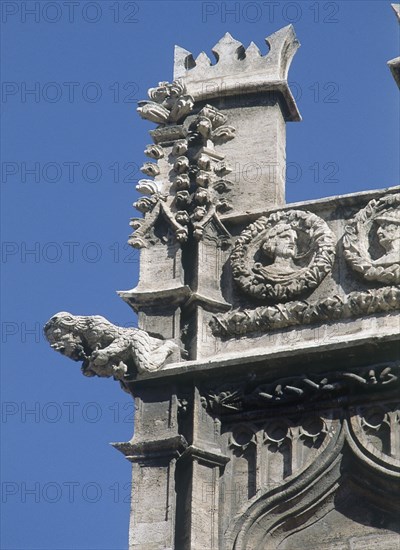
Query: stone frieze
332 308
302 389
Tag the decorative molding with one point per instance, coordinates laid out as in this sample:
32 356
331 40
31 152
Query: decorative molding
150 450
209 455
106 349
233 398
334 308
373 431
193 192
372 240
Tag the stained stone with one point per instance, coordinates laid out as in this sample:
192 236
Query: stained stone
265 370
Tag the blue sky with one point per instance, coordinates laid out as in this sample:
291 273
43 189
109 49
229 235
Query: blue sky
70 155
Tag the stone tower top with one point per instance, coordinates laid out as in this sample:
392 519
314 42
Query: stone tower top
239 70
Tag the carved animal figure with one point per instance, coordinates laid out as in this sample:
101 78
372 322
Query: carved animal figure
106 349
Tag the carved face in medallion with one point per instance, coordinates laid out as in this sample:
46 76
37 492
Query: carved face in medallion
371 242
388 234
282 255
280 243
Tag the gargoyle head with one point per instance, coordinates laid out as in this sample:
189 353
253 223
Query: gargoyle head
64 335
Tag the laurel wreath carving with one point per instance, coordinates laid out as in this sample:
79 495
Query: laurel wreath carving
330 308
356 242
321 252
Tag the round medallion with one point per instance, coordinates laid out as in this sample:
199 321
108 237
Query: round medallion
372 240
283 255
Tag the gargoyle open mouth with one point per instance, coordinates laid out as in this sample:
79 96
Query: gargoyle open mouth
58 347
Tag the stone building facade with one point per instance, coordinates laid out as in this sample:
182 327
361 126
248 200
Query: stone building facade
265 371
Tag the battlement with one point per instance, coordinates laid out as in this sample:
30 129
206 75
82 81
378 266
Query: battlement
240 71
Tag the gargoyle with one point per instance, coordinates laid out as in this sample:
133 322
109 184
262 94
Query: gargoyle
106 349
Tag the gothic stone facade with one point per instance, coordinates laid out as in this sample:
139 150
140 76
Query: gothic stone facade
266 370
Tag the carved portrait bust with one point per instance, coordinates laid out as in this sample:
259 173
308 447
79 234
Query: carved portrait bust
372 240
283 255
388 234
280 245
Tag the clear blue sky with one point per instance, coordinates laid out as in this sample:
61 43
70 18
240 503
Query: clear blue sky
79 131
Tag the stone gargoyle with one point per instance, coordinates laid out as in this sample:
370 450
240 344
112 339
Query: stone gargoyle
106 349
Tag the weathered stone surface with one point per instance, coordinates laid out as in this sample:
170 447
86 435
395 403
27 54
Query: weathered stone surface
105 349
394 64
266 368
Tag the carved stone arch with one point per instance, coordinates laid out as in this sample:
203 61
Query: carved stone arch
373 434
253 527
320 507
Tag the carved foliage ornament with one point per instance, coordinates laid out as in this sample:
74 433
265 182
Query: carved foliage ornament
169 103
332 308
283 255
372 240
189 185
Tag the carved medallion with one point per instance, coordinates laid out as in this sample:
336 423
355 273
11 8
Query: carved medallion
372 240
283 255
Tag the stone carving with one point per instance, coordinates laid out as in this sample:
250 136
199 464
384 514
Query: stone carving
301 389
237 69
283 255
154 151
372 240
394 64
332 308
311 493
169 103
278 447
106 349
374 431
192 194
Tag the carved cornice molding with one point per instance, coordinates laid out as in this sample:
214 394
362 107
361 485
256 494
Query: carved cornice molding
296 313
295 390
147 451
210 456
